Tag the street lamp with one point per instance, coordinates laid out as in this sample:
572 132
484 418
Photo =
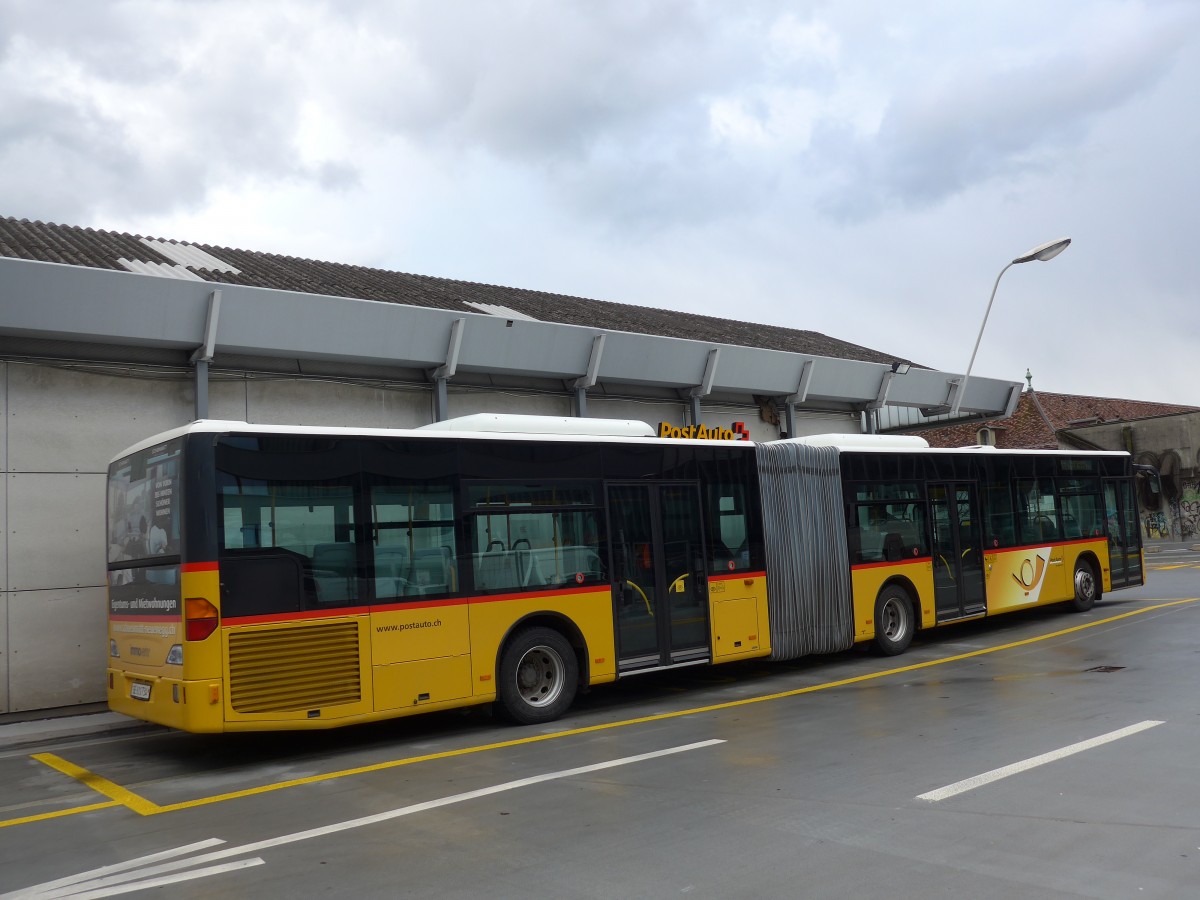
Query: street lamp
1043 252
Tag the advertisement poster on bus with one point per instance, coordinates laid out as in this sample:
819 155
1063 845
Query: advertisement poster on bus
143 512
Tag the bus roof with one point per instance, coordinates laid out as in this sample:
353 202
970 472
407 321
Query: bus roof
500 423
902 443
484 425
564 428
865 441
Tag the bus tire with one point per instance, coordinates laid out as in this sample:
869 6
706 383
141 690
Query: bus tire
538 676
894 621
1087 587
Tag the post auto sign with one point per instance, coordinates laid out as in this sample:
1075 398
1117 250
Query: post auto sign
737 432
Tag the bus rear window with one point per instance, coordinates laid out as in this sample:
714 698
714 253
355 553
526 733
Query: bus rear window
144 504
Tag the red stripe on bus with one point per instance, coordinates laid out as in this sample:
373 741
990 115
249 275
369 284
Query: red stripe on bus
1046 546
908 560
297 616
568 592
199 567
399 605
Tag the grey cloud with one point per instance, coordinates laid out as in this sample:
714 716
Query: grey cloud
604 101
937 141
543 82
226 110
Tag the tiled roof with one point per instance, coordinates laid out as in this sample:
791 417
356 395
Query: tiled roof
48 242
1040 416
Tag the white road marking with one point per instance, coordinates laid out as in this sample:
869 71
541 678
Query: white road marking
130 887
42 890
145 871
969 784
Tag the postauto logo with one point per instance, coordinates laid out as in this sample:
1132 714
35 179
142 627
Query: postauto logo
737 432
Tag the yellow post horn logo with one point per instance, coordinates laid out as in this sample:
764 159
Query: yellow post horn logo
1032 571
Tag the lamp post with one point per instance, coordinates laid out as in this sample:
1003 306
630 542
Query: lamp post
1043 252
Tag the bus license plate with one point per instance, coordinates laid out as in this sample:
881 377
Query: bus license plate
139 691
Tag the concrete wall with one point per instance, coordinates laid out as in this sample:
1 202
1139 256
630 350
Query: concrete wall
466 402
316 402
60 426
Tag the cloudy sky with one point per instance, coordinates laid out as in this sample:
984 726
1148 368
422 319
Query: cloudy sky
862 169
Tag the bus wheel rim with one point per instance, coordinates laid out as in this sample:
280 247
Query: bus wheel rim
893 620
1085 583
540 676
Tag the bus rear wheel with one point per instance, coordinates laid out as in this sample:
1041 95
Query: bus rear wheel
894 621
538 676
1087 587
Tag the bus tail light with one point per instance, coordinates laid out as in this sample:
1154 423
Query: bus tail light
200 618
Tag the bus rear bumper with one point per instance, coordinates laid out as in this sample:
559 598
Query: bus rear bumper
186 705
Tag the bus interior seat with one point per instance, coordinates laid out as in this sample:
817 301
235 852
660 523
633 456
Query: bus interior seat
908 531
431 571
392 570
525 561
333 567
1046 528
494 568
893 547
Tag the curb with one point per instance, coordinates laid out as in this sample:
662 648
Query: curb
23 734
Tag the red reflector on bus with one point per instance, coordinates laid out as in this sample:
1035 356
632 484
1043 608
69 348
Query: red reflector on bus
200 618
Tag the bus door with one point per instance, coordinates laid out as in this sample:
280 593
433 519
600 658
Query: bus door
660 583
957 551
1124 550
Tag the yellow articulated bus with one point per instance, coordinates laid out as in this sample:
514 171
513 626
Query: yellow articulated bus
264 577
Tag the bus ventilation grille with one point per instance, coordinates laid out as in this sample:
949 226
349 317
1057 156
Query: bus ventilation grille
291 669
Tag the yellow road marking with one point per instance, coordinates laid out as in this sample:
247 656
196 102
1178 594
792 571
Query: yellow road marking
123 797
74 810
99 784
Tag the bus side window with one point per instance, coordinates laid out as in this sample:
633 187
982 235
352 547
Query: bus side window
393 570
413 539
333 569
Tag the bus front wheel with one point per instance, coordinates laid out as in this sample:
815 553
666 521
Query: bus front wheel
894 621
538 676
1087 587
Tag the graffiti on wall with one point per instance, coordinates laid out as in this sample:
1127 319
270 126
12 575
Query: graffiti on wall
1154 526
1188 513
1181 518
